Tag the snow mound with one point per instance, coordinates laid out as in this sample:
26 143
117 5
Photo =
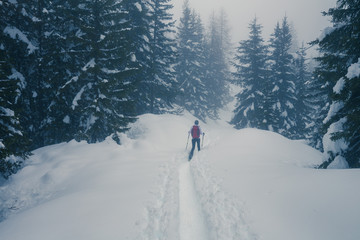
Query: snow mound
244 184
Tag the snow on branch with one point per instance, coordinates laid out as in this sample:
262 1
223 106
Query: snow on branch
15 33
354 70
90 64
334 109
339 86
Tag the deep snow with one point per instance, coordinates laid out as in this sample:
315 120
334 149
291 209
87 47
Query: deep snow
244 184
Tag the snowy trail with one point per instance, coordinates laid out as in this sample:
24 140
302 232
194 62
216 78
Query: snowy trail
243 185
190 204
191 224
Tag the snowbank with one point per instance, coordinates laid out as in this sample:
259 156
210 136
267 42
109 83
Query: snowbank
246 184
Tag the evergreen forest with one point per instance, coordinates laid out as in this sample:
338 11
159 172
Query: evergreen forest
86 69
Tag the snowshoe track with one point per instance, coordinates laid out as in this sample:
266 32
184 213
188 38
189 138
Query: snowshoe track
192 224
190 204
223 212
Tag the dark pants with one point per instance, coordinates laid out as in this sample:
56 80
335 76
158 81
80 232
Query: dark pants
195 141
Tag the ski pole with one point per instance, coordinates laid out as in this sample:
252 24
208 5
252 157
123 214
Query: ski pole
187 141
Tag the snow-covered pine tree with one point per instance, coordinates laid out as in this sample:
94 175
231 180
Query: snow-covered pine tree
310 101
226 49
13 141
35 23
190 64
304 105
340 68
157 91
104 55
283 116
19 50
252 75
60 124
49 71
225 36
32 26
216 68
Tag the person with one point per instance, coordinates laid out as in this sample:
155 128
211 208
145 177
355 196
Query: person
195 132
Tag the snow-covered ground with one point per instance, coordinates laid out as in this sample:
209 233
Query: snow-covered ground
244 185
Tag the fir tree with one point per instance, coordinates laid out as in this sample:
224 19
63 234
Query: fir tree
311 100
103 54
33 27
339 67
51 72
61 69
13 140
283 100
216 68
252 75
157 89
304 105
190 64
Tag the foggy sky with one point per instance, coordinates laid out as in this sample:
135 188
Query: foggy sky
305 15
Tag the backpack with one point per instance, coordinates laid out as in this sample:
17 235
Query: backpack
195 132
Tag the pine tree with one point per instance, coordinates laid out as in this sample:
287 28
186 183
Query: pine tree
34 23
216 68
283 100
108 76
32 28
13 140
60 70
339 67
252 75
304 105
190 64
311 101
51 72
157 91
19 49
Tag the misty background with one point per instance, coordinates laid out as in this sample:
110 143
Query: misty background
305 15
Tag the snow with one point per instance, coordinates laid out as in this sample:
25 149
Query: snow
244 184
79 33
77 97
91 121
339 163
339 86
15 33
66 119
138 6
73 79
354 70
192 224
335 147
335 107
289 104
325 32
6 112
90 64
16 75
276 88
251 107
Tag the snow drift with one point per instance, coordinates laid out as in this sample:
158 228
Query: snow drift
244 184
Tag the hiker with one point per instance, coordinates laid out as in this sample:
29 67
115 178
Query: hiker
195 133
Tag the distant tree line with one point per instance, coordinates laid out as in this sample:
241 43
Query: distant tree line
86 69
273 81
280 93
